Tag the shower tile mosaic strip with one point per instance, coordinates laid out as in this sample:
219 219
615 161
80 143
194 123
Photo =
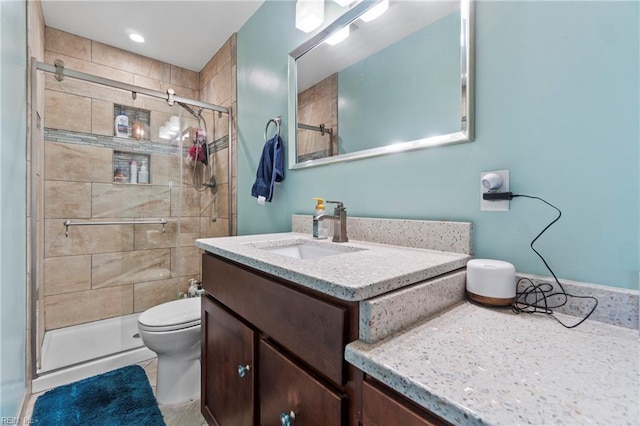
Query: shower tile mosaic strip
124 144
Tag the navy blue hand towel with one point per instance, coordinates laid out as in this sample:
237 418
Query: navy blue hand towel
270 169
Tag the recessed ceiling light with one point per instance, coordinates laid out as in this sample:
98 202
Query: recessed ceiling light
136 37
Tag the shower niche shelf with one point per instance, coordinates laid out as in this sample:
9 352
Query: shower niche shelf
139 121
122 167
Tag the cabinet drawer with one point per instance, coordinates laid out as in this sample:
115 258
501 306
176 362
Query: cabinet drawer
380 407
285 388
311 329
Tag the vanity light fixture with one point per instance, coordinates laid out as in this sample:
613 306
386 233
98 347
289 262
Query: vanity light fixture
375 11
136 37
338 36
309 14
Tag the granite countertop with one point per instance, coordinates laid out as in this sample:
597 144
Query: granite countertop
364 270
478 365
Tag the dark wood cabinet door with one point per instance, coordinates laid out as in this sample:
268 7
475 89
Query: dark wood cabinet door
227 346
286 388
381 408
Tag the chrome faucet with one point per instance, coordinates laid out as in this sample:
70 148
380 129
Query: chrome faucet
339 218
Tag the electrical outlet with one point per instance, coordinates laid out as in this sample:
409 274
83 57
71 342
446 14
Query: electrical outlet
494 206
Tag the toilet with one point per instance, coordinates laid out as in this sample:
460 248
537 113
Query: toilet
172 330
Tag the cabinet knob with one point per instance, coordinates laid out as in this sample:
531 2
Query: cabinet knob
242 370
286 419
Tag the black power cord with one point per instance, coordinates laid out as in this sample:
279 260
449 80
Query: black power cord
535 298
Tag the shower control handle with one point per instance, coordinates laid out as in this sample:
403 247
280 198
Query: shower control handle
242 370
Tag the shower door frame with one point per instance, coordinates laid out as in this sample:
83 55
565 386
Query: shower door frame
60 72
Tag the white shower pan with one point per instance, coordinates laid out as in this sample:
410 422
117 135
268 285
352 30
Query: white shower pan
74 353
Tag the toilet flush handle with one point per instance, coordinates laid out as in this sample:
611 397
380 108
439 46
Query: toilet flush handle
242 370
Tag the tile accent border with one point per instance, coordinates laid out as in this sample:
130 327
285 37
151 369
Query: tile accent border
454 237
124 144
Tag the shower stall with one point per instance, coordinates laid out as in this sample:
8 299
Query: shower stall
114 218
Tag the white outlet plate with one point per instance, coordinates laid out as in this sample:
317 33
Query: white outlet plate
495 206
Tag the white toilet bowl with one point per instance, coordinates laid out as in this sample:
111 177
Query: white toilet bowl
172 330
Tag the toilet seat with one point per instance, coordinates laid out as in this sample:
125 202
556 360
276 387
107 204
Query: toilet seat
171 316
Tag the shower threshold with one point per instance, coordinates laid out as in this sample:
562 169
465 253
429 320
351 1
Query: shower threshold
77 352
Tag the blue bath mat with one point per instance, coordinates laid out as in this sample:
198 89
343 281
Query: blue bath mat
121 397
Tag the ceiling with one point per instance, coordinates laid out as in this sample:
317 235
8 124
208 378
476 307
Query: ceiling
182 33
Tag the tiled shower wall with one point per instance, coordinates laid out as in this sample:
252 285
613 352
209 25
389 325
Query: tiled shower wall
100 272
218 86
318 105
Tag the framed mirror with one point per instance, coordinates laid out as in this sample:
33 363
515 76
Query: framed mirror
400 82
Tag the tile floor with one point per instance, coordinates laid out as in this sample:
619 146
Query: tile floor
187 414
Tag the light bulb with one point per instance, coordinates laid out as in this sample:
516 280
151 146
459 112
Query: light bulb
136 37
375 11
338 36
309 14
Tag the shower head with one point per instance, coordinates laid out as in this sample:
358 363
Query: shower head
191 111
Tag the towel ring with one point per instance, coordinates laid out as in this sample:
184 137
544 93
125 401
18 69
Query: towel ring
275 120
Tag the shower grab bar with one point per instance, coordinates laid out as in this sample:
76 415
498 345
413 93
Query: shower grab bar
162 222
321 128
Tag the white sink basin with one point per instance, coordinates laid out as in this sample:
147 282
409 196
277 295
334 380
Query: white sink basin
307 250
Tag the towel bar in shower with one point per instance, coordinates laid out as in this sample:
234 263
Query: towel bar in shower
162 222
321 128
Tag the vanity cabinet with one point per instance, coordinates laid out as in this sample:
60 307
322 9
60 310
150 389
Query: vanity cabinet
273 352
289 392
383 407
227 362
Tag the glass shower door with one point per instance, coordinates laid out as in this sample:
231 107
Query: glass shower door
113 237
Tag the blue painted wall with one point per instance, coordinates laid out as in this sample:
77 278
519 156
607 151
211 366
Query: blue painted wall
372 90
557 103
13 196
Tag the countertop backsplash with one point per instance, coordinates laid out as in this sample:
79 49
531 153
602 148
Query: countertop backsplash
454 237
616 306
